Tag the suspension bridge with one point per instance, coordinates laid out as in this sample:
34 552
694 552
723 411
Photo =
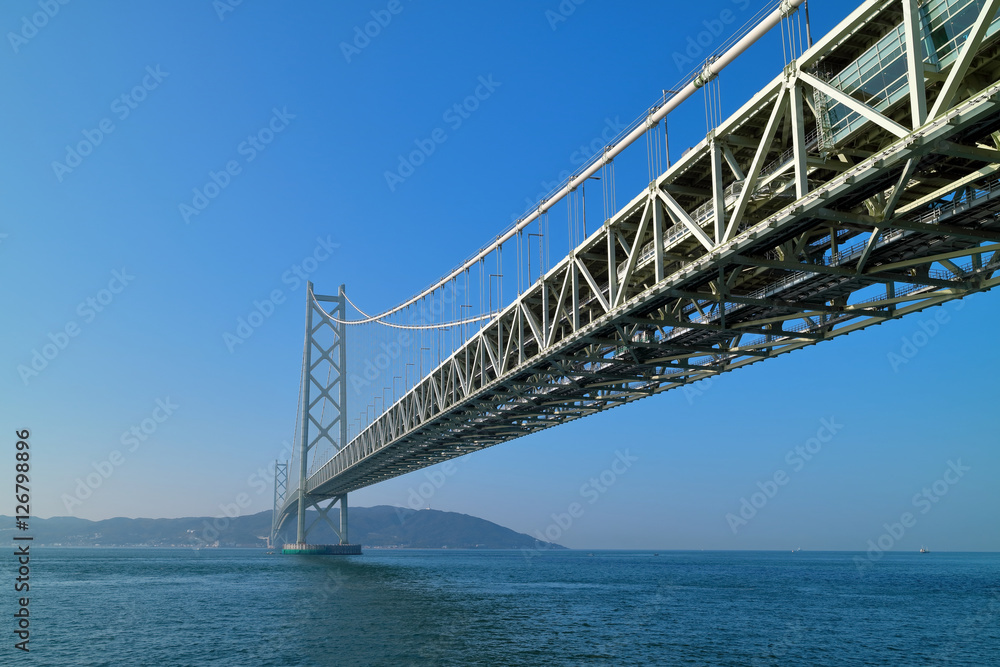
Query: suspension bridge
859 186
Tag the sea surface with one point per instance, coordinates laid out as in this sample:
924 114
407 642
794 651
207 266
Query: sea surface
393 607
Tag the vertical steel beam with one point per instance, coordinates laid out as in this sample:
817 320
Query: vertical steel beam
612 264
482 354
915 62
658 224
342 380
520 331
799 142
341 330
718 192
546 324
300 532
576 295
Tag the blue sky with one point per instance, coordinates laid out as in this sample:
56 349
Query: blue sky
166 284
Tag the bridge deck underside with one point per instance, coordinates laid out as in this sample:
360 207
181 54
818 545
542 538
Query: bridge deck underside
777 232
624 370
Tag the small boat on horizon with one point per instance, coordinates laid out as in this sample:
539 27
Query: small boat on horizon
923 550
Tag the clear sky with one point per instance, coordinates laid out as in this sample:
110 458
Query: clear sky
116 113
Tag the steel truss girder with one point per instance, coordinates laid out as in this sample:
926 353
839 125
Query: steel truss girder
656 299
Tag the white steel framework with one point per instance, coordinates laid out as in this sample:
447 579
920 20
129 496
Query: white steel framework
859 186
322 418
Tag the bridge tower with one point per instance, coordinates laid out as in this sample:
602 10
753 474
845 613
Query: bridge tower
280 492
322 423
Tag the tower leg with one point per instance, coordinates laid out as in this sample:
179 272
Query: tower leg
300 532
343 520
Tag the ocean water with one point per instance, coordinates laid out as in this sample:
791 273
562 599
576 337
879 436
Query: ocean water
244 607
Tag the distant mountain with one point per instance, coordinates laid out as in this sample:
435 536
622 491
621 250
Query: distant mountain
386 526
381 526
